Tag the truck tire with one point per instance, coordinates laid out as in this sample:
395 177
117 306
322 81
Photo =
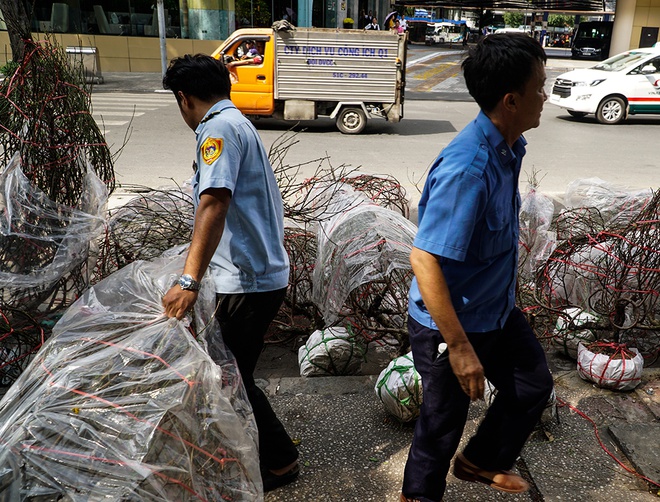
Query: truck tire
611 110
351 120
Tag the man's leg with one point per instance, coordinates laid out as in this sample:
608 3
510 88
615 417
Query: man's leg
442 417
244 320
515 363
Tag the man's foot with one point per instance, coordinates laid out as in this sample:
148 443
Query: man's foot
279 477
504 481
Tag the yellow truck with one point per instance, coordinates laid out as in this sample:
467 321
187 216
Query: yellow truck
347 75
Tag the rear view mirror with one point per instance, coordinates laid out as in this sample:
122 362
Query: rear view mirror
649 68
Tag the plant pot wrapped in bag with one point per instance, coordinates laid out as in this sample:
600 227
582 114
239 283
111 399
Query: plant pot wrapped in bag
610 365
331 351
399 388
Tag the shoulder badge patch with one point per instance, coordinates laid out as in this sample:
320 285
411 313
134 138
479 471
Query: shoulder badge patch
211 150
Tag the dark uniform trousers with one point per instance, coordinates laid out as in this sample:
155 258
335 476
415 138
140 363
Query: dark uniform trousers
244 320
514 363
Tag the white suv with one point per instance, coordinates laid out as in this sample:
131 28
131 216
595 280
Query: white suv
628 83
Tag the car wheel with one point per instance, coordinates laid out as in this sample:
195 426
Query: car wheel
573 113
611 110
351 120
442 41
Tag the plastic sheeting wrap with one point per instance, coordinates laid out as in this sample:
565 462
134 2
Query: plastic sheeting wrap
331 351
399 388
550 413
536 239
362 242
619 368
124 404
617 205
42 241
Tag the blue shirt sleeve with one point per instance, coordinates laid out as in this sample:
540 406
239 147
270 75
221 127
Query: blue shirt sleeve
454 197
221 171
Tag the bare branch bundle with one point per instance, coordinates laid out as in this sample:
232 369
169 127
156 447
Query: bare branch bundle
144 228
45 111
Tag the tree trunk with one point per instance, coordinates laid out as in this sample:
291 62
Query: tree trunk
18 26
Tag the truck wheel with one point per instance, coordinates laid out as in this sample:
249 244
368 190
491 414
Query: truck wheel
351 120
573 113
441 41
611 110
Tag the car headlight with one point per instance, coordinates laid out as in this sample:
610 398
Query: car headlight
593 83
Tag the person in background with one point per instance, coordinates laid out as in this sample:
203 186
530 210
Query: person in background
373 25
403 23
463 322
238 237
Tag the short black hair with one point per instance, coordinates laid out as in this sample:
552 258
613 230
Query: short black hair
500 64
198 75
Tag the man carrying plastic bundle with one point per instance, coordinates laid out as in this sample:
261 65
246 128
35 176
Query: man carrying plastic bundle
463 322
238 235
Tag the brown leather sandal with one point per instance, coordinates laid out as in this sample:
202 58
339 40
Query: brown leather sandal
467 471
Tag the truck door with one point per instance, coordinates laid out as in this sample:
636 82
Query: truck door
252 76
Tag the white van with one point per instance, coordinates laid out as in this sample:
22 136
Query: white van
625 84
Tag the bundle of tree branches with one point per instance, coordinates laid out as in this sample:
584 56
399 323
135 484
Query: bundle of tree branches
20 337
45 116
145 227
611 273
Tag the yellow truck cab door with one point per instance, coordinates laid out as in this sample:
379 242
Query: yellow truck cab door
252 77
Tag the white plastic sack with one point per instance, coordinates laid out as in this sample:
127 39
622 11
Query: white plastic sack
122 403
399 388
331 351
568 332
617 372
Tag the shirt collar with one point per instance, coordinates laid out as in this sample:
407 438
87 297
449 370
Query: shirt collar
217 108
496 141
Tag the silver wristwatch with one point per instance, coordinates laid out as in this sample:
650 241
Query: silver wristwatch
187 282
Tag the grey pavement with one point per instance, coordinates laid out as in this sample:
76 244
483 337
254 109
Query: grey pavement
352 450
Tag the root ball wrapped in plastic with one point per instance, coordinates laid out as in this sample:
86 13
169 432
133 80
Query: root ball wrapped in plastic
610 365
331 351
399 388
124 404
570 331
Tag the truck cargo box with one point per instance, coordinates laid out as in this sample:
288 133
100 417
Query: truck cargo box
338 65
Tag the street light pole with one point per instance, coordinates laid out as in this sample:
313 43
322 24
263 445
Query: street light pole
161 36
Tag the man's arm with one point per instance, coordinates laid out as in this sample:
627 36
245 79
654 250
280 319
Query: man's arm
209 225
435 293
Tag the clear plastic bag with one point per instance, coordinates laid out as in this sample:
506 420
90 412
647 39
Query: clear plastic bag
122 403
362 242
42 240
536 240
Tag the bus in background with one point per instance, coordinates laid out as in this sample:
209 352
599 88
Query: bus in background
592 40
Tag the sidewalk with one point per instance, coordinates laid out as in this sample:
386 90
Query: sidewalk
351 450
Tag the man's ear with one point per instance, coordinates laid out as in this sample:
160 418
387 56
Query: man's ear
509 101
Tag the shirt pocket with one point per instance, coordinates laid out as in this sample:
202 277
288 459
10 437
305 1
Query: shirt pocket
496 237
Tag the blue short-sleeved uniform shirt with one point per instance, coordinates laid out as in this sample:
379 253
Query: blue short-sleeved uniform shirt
251 256
468 217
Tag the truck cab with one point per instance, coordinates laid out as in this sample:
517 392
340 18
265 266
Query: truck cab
252 81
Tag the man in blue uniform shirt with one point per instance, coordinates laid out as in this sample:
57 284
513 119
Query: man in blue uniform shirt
238 236
463 322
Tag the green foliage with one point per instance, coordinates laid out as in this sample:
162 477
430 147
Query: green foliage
9 68
560 20
513 19
257 11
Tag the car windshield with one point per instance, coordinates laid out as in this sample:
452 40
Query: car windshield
621 61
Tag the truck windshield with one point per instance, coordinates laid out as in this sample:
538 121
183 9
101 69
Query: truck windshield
620 61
